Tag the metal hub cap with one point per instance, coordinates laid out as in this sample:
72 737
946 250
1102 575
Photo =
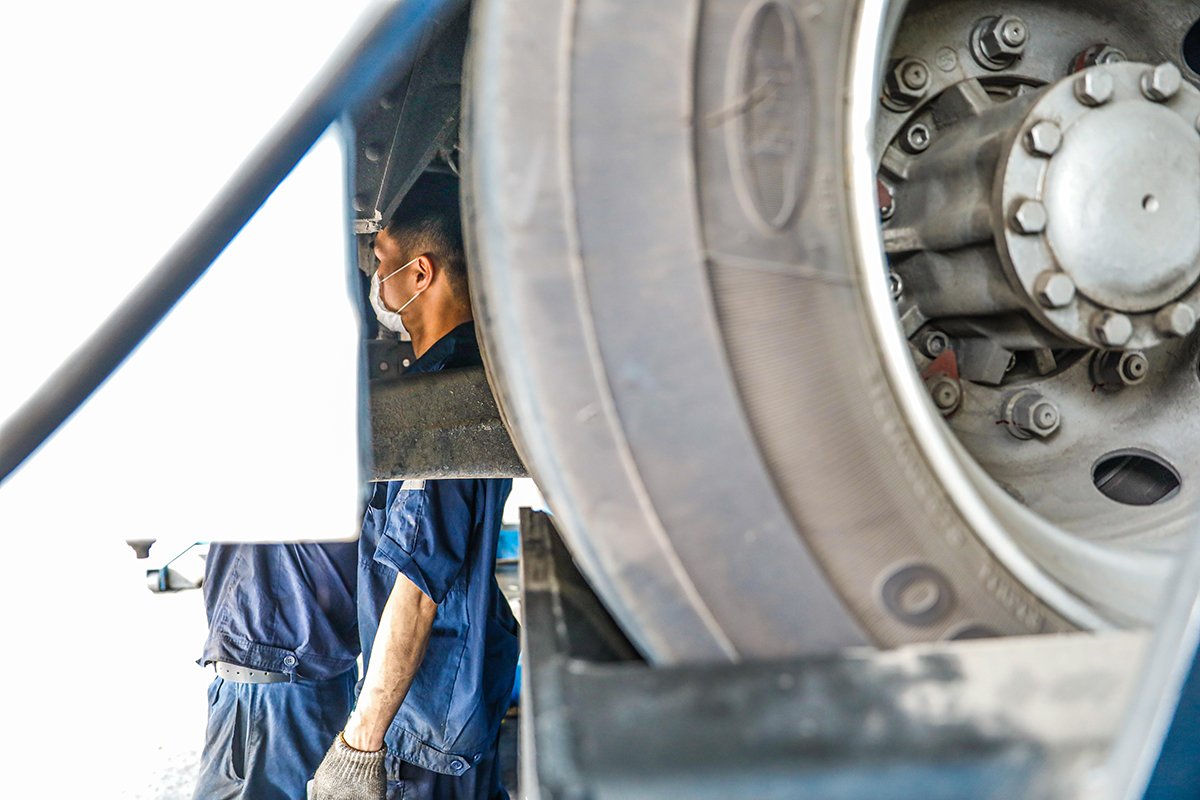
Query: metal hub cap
1113 192
1123 197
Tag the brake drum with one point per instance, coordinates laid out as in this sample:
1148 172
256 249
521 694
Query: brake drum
679 279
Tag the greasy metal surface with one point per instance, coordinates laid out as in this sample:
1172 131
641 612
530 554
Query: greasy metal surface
1004 719
440 425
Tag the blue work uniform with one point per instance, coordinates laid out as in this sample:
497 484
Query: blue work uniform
442 536
287 609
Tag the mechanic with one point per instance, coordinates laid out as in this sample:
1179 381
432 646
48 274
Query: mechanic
283 638
438 638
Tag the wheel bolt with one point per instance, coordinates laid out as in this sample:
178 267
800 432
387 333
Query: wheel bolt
1043 139
895 285
1133 368
1013 32
1000 41
1029 217
1098 54
1111 329
907 84
1162 82
1094 87
945 392
1177 319
1054 289
915 75
1114 370
1030 414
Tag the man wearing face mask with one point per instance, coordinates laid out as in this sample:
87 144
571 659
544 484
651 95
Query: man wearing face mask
439 641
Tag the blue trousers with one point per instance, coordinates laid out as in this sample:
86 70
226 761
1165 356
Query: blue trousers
265 740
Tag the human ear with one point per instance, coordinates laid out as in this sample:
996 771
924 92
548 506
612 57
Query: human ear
424 267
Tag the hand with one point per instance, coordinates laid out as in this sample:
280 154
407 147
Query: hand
349 774
360 734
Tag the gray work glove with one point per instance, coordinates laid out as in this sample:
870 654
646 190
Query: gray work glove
349 774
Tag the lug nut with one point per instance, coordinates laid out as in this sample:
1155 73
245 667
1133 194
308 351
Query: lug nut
1177 319
895 285
1054 289
1133 368
1000 41
1013 32
933 343
915 75
1043 139
907 84
1029 414
916 138
1029 217
945 392
1094 87
1114 370
1111 329
1162 82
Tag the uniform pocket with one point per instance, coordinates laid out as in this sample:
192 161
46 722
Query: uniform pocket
404 515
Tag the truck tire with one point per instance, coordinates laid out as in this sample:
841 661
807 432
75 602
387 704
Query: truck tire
686 312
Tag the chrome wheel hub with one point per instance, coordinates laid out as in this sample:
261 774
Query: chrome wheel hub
1114 189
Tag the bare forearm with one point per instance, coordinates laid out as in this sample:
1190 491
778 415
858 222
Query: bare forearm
395 657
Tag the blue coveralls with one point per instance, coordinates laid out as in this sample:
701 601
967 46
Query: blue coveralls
287 608
442 535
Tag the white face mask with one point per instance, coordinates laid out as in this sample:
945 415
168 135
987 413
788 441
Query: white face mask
388 318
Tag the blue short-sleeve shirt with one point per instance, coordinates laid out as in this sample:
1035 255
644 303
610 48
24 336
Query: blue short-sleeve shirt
286 608
442 535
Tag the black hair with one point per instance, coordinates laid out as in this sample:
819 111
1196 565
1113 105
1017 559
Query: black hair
428 220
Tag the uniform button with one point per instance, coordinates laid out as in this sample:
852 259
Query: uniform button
476 757
456 764
289 661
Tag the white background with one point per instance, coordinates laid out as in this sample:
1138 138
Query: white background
121 119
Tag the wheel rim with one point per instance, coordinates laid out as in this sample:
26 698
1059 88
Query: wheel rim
1093 585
